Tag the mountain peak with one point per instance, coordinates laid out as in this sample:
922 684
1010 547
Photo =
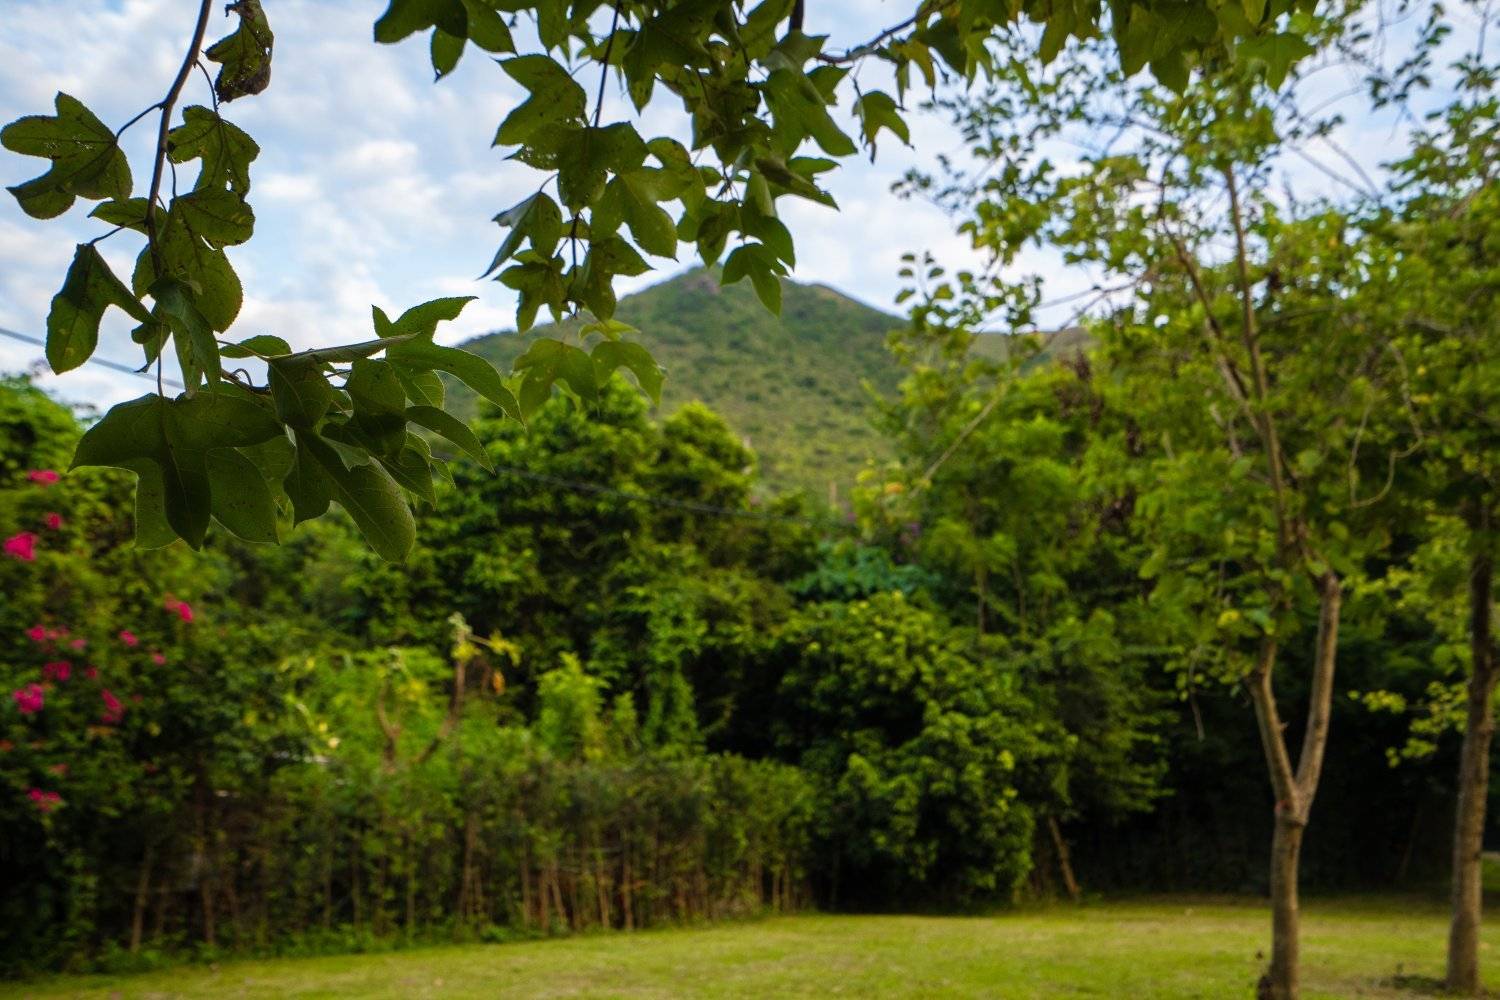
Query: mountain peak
791 385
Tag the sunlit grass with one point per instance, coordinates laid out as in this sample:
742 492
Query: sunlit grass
1148 949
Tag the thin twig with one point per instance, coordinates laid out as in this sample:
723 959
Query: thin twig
166 105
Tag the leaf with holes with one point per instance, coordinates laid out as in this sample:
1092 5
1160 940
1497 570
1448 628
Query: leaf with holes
86 160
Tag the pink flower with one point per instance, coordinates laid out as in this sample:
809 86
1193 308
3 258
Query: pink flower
38 633
129 639
78 643
29 699
53 520
158 659
59 670
184 611
114 711
42 477
22 546
45 801
92 673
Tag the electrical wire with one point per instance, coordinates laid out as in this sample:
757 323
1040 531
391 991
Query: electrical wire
95 359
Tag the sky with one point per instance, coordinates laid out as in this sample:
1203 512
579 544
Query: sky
377 186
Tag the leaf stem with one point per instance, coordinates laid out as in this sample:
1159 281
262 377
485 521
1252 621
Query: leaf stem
166 105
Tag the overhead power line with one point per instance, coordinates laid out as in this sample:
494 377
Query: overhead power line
94 359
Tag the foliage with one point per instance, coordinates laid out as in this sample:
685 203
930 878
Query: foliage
792 385
331 424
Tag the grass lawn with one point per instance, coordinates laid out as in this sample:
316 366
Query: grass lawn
1145 949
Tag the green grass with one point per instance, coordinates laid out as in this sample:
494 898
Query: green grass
1151 949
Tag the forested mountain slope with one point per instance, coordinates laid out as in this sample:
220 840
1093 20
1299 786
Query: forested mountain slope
790 385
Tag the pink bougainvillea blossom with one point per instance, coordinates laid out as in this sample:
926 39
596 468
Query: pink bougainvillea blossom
43 477
78 644
53 520
22 546
91 672
129 638
114 711
183 609
45 801
38 633
29 699
57 670
157 658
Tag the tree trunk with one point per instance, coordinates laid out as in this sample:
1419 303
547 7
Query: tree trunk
142 897
1294 789
1473 777
1064 860
1281 982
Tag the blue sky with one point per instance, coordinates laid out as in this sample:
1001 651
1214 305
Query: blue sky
377 186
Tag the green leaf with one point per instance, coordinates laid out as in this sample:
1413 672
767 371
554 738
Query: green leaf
152 531
308 487
220 217
540 283
609 355
191 331
554 97
1278 51
446 50
544 363
127 212
877 110
86 160
470 369
421 320
178 436
213 286
590 155
77 309
300 391
260 346
225 149
422 388
757 262
368 493
241 500
649 223
539 218
446 425
412 469
407 17
487 29
245 55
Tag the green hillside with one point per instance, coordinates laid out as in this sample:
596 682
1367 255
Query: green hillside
792 385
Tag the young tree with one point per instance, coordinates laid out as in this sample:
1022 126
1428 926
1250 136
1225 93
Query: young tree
335 424
1440 290
1263 394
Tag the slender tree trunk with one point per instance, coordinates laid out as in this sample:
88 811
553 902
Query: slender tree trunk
1294 789
1064 860
142 897
1281 982
1473 775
